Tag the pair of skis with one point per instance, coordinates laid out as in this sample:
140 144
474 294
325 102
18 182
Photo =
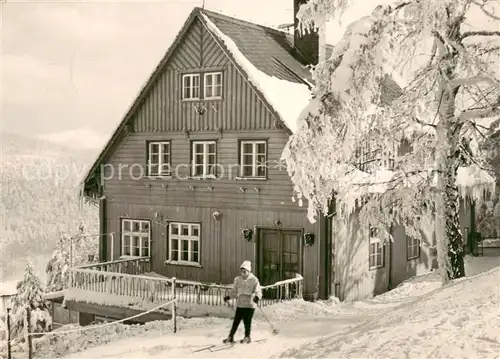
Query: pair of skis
217 347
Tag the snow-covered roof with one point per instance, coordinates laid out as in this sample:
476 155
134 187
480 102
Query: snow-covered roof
8 288
265 56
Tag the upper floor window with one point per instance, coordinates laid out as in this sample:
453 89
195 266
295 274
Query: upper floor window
184 243
253 160
212 85
412 248
370 156
136 237
376 249
191 87
203 160
159 158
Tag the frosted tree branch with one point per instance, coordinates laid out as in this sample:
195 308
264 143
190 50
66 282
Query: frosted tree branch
473 80
486 12
479 33
481 112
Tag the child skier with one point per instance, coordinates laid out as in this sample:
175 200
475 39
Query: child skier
247 291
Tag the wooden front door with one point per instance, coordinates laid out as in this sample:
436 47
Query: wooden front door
280 255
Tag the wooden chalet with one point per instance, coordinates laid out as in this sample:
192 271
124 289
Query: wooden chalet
191 183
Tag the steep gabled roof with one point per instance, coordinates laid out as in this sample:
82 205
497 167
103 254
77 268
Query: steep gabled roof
266 56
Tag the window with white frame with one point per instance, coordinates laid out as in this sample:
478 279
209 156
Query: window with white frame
376 251
159 158
184 243
191 87
203 160
136 238
412 247
212 85
370 156
253 159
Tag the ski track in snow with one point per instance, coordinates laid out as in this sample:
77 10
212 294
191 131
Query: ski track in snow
186 342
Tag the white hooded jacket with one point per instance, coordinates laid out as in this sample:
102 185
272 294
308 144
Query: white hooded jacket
244 290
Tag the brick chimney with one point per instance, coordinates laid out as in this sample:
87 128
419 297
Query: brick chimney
306 45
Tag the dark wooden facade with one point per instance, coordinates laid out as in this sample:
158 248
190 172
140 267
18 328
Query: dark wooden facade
263 205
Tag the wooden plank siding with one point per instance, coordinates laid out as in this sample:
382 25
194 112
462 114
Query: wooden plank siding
402 268
222 247
351 258
125 178
352 274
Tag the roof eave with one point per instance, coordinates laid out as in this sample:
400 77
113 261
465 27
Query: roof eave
246 76
141 96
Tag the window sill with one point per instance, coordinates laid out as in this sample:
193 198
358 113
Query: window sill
185 264
133 257
202 178
250 178
412 259
376 268
166 177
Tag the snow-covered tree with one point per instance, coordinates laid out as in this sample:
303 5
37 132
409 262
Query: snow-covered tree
80 245
58 268
30 295
400 111
488 217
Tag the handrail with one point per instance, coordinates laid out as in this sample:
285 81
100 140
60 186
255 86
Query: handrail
153 288
123 260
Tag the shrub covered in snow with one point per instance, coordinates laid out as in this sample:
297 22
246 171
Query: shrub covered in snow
58 269
30 295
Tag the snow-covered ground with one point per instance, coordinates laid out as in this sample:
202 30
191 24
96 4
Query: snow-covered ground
418 319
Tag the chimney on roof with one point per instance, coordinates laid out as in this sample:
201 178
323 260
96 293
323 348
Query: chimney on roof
308 44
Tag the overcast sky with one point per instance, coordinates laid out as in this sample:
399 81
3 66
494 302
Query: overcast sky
77 66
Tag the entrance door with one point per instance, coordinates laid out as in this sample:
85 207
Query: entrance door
280 255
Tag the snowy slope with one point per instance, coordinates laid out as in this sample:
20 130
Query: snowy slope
417 318
459 321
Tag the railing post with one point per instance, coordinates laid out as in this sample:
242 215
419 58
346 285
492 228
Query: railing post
9 345
29 338
174 304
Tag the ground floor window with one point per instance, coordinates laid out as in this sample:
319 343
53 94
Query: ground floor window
376 250
136 237
184 242
412 248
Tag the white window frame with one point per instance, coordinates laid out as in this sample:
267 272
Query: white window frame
131 234
367 159
213 86
205 164
160 163
191 88
190 238
412 248
375 242
254 153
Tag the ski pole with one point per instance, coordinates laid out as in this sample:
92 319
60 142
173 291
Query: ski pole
275 331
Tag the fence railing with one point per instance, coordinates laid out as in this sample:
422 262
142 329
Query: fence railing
136 265
159 289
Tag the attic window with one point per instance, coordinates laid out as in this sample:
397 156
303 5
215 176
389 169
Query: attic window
191 87
212 85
